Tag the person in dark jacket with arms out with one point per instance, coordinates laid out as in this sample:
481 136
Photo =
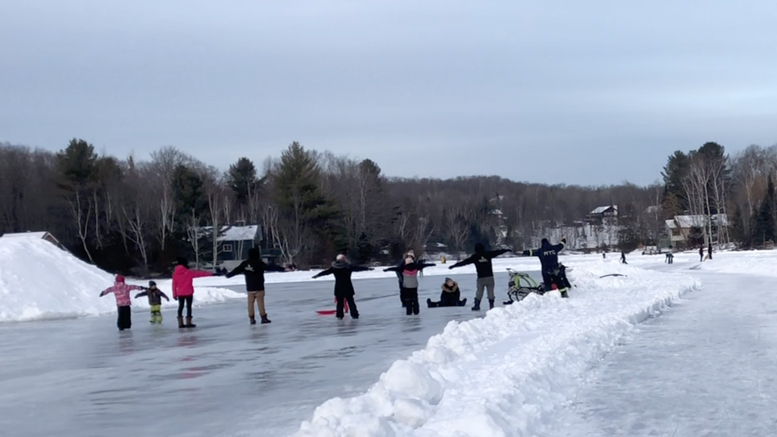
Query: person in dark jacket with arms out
344 291
482 260
552 271
155 296
253 268
410 271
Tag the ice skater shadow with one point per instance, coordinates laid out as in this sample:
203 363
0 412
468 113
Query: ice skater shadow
411 324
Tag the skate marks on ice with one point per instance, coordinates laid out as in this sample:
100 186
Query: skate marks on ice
705 368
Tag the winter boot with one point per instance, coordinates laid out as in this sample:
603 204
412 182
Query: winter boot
430 304
189 323
252 320
180 322
564 294
491 304
265 319
463 302
476 307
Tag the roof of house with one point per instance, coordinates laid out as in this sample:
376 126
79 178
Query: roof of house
36 235
671 224
687 221
602 209
236 233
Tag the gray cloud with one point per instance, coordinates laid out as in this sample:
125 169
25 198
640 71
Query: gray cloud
559 92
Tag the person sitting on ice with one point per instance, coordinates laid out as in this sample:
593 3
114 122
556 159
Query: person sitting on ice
183 290
552 272
344 291
121 291
155 296
449 297
410 270
482 260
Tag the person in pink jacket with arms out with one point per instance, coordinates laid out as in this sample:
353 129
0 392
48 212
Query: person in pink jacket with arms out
183 290
121 292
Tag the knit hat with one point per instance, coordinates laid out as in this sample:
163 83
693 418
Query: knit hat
151 284
341 257
119 278
411 253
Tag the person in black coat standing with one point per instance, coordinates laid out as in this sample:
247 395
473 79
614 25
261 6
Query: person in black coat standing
344 291
253 268
482 260
552 271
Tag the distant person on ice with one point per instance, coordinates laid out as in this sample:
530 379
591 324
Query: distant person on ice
183 290
552 272
701 253
344 291
623 257
482 260
410 270
253 269
155 296
121 291
449 297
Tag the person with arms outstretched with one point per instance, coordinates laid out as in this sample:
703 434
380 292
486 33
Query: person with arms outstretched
410 270
183 290
553 273
121 291
344 291
482 260
253 268
155 296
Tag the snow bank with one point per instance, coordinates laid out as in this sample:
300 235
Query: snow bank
501 375
40 281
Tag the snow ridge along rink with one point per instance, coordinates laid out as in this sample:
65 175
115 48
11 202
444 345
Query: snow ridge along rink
506 373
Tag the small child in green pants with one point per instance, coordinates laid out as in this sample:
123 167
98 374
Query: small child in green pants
155 296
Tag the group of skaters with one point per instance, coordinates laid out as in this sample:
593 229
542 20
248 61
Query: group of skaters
407 271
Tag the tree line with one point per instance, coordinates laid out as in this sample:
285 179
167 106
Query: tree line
137 216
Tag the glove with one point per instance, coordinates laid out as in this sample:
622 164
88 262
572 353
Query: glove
564 240
450 268
137 295
385 270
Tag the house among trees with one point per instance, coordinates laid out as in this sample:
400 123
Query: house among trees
688 231
604 215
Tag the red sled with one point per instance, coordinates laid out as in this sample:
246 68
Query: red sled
330 312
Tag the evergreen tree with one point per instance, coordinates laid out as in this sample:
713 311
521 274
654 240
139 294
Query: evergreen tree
242 180
765 219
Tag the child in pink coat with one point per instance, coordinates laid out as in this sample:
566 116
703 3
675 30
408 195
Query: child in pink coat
121 291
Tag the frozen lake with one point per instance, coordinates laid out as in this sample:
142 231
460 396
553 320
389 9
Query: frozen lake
82 377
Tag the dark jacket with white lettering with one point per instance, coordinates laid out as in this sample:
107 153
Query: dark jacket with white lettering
548 255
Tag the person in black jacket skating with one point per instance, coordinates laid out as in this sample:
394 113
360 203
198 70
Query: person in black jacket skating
253 268
552 271
482 260
344 291
410 270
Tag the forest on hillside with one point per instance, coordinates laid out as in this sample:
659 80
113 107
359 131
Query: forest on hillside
137 216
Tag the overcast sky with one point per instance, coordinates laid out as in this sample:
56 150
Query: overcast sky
594 92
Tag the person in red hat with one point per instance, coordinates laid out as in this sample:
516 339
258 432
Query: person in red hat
121 291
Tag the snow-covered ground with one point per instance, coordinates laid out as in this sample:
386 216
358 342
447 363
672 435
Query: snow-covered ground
547 366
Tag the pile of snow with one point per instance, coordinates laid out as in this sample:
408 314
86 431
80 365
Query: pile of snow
505 373
40 281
